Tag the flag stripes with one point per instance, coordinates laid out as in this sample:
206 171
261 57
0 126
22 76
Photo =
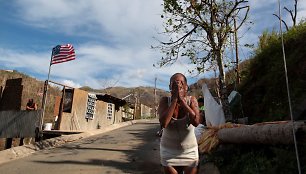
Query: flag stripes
62 53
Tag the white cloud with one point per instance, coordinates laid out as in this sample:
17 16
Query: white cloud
71 83
121 21
27 60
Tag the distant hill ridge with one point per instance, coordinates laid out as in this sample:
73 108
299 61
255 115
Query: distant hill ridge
144 94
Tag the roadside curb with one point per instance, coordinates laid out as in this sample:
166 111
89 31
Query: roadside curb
26 150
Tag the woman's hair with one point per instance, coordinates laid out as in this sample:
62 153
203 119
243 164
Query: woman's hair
179 74
185 79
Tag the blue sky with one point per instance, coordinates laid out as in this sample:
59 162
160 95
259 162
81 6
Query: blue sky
112 39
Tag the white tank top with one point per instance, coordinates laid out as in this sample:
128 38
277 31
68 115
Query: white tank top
180 133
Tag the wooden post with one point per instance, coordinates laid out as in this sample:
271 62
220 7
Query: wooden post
59 120
1 89
45 98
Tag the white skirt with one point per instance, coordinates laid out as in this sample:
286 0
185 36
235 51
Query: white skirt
174 157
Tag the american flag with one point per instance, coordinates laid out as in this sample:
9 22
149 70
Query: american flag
62 53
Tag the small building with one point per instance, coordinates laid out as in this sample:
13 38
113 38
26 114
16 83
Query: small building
83 110
143 111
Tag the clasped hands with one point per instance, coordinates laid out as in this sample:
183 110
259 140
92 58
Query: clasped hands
178 92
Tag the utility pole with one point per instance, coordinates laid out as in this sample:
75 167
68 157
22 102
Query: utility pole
155 107
135 105
236 49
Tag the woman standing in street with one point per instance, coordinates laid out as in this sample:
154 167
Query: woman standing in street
179 115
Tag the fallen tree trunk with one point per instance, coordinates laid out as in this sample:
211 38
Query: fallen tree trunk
264 133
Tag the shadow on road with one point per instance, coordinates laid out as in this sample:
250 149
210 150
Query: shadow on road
132 149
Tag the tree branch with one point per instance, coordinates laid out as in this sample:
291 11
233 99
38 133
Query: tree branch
245 16
295 12
182 38
291 14
235 7
287 28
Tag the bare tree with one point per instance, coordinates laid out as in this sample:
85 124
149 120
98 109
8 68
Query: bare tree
198 30
293 14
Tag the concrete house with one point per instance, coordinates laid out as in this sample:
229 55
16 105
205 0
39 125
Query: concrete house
82 110
143 111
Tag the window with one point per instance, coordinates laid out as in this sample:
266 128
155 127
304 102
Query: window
90 108
109 115
68 97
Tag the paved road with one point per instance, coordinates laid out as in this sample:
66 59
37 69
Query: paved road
132 149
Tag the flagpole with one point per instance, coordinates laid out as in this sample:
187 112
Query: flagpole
60 53
45 97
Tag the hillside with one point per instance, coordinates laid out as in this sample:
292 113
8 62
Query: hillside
144 94
32 88
264 85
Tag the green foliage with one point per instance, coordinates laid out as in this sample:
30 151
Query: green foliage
267 38
263 85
